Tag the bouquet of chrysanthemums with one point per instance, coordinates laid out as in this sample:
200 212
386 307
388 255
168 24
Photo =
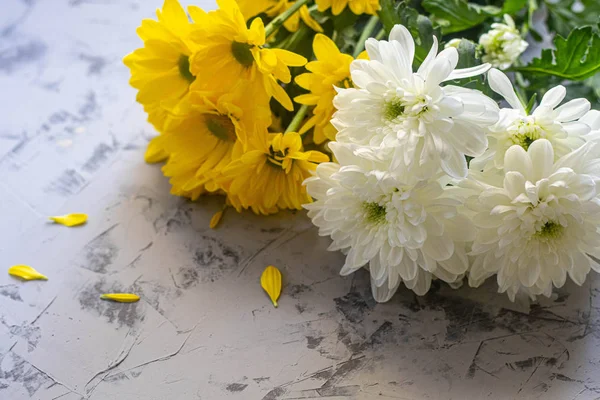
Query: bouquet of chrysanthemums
434 139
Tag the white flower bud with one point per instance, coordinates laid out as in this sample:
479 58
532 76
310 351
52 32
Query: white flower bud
502 45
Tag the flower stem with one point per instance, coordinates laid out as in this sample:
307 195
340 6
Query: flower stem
366 33
297 120
380 34
281 18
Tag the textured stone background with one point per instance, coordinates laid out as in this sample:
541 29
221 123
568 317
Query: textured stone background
72 140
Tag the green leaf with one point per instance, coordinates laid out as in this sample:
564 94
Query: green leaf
577 57
389 13
420 27
512 6
457 15
566 15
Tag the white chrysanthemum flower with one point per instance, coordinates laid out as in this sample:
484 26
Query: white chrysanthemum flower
538 220
502 45
425 126
405 230
559 125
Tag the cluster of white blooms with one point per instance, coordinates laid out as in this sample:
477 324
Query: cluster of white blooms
401 201
502 45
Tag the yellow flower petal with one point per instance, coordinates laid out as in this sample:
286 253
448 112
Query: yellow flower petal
25 272
121 297
289 58
270 281
70 219
155 152
214 221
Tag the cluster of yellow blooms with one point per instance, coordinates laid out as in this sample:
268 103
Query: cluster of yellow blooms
206 81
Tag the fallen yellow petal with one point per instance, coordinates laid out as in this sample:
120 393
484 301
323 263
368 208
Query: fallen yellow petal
270 281
25 272
214 221
70 219
121 297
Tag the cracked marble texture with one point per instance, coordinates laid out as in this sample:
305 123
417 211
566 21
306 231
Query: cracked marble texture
72 139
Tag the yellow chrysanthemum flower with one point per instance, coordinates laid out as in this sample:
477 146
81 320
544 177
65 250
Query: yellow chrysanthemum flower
268 176
332 68
358 7
251 8
160 70
292 24
272 8
228 52
200 143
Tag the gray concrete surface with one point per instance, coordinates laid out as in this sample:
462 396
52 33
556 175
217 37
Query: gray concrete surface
72 140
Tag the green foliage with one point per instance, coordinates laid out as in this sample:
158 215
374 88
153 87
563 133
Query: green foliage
564 15
459 15
512 6
346 19
400 12
577 57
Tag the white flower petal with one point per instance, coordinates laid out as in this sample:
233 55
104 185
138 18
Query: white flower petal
455 164
472 140
576 128
441 67
553 97
581 267
402 36
592 119
542 159
451 106
421 284
383 293
425 66
500 84
573 110
438 247
458 263
372 47
468 72
529 273
514 184
517 159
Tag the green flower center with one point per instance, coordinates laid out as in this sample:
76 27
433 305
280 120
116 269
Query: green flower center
221 127
525 133
393 109
184 68
241 52
374 212
550 230
524 140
